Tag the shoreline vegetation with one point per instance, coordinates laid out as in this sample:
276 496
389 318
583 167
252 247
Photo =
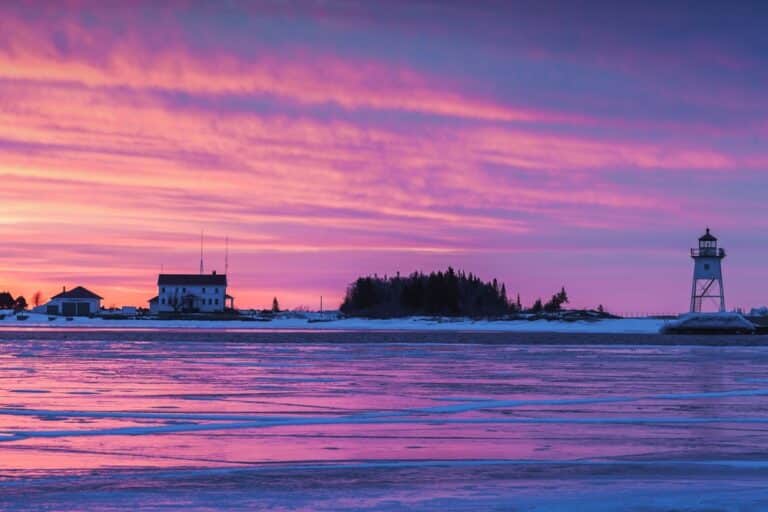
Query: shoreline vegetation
448 294
441 301
441 294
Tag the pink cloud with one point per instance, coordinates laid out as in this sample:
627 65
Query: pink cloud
305 76
92 153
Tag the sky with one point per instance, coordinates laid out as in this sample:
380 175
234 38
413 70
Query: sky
543 143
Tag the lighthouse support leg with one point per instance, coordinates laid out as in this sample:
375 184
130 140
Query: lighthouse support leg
702 290
722 295
693 296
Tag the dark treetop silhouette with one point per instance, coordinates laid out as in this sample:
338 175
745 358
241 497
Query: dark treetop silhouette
446 293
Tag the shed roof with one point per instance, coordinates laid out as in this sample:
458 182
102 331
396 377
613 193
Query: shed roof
77 293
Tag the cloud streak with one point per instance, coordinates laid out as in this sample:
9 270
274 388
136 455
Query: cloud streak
124 132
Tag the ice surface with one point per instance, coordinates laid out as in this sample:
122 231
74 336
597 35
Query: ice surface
229 424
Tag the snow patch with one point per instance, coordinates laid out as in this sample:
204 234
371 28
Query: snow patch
606 326
710 322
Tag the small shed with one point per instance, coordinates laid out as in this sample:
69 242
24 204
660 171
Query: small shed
78 301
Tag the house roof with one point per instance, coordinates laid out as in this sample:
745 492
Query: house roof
707 237
192 279
153 299
77 293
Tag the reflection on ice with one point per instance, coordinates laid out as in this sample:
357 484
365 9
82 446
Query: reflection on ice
379 425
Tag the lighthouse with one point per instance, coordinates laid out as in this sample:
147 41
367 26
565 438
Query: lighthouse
707 274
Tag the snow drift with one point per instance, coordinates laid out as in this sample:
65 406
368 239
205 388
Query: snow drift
714 323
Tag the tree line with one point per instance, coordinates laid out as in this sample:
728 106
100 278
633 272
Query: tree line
8 302
448 293
19 303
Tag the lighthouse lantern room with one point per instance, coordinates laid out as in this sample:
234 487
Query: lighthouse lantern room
707 274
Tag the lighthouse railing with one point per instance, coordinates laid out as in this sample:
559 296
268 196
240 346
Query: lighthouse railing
708 251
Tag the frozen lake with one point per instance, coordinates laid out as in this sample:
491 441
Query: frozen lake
152 421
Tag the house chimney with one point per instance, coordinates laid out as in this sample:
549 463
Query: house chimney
63 289
214 273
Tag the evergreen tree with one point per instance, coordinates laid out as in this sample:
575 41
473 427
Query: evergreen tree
563 296
6 300
557 301
448 293
537 307
275 305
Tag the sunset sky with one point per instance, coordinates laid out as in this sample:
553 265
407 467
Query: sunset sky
585 144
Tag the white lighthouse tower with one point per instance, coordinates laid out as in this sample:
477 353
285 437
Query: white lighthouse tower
707 274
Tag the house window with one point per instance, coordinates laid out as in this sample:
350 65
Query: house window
162 301
203 290
217 301
163 289
183 290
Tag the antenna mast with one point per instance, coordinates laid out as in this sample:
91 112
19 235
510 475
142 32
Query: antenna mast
226 255
201 251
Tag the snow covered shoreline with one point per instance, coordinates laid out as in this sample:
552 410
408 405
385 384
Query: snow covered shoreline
608 326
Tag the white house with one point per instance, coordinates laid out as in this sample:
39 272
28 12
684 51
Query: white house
78 301
191 293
